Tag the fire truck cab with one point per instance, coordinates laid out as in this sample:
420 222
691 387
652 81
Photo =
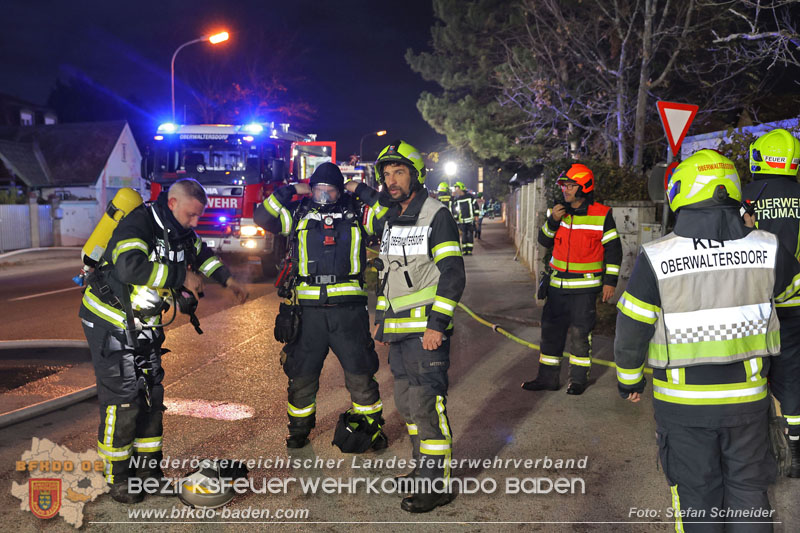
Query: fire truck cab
239 166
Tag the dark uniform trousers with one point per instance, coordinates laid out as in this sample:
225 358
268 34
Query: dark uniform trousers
343 328
467 237
129 427
785 370
570 314
420 394
715 471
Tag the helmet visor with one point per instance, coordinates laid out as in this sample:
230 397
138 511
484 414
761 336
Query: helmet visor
324 194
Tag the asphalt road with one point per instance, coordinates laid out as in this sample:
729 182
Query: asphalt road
39 300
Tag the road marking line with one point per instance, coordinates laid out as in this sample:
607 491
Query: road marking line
43 294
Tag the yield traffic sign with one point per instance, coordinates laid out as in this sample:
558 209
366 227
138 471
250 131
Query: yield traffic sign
676 119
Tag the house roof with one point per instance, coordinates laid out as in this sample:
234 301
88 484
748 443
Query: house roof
26 161
74 153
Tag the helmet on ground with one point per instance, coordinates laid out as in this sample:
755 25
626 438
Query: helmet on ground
460 185
401 152
580 174
443 187
211 486
705 178
775 152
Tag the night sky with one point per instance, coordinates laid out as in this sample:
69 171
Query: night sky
348 52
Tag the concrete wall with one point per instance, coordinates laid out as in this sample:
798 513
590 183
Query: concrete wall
80 218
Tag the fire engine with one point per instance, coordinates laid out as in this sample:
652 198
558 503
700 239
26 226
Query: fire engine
239 166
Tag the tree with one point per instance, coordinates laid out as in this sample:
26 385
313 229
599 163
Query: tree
467 49
258 84
598 67
541 78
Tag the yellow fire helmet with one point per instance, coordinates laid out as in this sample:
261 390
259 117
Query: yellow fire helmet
775 152
705 178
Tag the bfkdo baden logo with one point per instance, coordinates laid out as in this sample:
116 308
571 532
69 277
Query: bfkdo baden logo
44 497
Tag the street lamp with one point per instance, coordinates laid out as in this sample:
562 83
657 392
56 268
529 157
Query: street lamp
361 144
450 168
213 39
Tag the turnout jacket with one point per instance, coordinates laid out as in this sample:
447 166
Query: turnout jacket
778 211
423 274
329 248
586 248
465 208
699 310
138 261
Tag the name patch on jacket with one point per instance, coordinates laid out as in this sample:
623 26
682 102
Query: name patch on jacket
704 255
411 240
773 208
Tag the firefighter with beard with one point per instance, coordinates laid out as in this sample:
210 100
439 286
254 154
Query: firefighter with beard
585 260
774 159
327 245
421 279
153 252
700 310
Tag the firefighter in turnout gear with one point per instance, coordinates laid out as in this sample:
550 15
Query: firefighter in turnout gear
444 196
421 279
327 246
585 260
699 309
774 159
464 210
151 253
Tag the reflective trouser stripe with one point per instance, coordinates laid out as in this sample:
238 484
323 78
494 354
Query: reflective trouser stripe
580 361
412 429
302 412
149 444
549 360
368 409
792 420
676 507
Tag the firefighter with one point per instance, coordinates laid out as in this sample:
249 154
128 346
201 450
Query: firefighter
151 253
699 308
480 212
774 159
421 280
327 245
585 260
464 210
444 196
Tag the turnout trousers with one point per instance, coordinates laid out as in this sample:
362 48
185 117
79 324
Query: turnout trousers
467 237
718 475
784 374
344 329
131 396
566 314
420 393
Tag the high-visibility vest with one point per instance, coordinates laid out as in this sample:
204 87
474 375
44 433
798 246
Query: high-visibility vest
578 245
716 300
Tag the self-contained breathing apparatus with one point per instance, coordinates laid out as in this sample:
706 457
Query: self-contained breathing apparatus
113 292
287 321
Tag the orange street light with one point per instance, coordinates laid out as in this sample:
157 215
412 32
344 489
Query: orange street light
213 39
361 144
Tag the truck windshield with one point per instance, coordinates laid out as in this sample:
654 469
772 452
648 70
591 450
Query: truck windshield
202 156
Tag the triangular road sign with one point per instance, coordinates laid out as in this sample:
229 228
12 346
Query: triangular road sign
676 119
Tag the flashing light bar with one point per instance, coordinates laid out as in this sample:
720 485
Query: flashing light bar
255 129
168 127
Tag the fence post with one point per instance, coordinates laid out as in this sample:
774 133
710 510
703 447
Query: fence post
33 212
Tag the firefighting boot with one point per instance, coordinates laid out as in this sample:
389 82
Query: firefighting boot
296 441
381 442
119 492
425 502
547 379
794 450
